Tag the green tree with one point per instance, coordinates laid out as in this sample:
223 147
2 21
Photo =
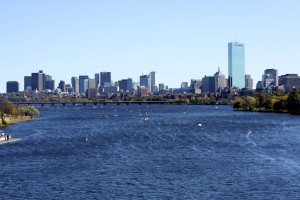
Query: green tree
293 102
6 107
262 99
238 103
28 111
250 103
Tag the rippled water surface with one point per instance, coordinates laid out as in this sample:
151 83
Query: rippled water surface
109 152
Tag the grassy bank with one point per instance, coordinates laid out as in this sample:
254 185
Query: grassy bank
11 120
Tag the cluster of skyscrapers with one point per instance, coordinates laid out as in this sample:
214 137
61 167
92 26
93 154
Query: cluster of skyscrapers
102 83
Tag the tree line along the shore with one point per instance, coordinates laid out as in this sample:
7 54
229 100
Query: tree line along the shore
8 109
267 102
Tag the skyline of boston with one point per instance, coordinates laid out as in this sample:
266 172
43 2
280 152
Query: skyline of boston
179 40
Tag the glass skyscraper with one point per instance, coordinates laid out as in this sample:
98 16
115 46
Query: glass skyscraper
236 65
83 83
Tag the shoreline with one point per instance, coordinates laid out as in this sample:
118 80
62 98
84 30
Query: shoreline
11 121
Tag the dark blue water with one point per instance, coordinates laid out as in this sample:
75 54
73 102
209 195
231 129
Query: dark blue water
109 152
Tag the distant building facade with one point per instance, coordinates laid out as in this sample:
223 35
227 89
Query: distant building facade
144 80
97 79
126 85
236 65
75 84
92 84
289 81
105 79
49 83
27 83
220 81
161 87
153 82
37 81
248 81
62 86
83 83
270 78
208 84
12 86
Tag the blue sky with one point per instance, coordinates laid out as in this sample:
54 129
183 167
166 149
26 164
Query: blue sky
181 40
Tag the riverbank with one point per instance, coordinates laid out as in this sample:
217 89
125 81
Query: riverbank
11 120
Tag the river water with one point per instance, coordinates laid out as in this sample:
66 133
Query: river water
109 152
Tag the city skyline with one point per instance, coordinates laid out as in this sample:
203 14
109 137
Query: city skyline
179 40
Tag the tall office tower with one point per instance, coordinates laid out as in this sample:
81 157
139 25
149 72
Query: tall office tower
208 84
161 87
270 78
62 86
249 81
97 78
83 83
49 83
220 81
27 83
12 86
75 84
126 85
92 84
144 80
37 81
105 79
236 65
153 80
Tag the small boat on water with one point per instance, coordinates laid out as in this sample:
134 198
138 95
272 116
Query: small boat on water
4 137
145 118
7 138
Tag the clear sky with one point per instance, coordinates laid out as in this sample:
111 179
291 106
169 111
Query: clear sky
180 39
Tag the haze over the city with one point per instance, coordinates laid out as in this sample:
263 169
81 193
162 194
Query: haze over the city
181 40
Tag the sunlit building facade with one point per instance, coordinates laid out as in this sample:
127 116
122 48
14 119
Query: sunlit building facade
236 65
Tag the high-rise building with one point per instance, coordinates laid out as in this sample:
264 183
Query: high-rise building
92 84
97 78
126 85
144 80
220 81
153 81
248 81
161 87
105 79
196 85
270 78
37 81
27 83
62 86
49 83
236 65
12 86
208 84
75 84
83 83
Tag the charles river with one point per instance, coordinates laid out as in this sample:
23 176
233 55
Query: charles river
109 152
